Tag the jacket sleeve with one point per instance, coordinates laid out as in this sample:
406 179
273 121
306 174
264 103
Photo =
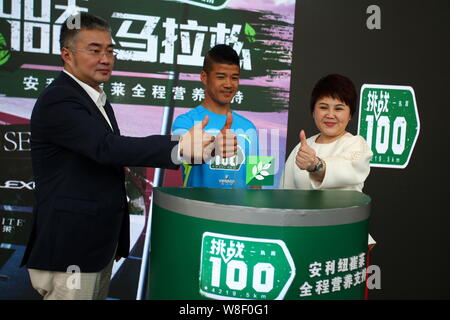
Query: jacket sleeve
63 120
350 167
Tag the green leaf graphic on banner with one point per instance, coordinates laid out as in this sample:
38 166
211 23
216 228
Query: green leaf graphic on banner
250 32
5 54
260 171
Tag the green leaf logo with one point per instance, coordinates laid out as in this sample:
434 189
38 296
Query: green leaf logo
249 32
260 171
5 53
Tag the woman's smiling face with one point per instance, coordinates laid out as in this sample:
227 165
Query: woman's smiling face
331 117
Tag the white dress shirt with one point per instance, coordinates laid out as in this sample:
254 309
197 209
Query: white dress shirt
99 98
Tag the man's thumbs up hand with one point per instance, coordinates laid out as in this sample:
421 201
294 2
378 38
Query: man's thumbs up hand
196 145
306 156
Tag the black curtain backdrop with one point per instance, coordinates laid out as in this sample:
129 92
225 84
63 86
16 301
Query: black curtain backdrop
409 218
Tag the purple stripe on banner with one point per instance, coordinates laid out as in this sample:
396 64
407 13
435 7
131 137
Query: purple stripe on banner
114 73
41 67
259 81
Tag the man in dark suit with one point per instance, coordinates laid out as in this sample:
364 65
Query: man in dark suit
81 220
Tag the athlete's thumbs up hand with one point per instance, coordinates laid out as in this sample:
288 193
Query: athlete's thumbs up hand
226 141
228 123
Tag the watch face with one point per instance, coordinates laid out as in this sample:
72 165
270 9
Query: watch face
319 165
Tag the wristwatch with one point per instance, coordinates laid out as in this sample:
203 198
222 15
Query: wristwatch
318 166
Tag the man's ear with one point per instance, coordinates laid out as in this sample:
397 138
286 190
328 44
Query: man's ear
203 77
65 55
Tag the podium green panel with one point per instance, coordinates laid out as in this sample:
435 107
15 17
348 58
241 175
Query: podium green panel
257 244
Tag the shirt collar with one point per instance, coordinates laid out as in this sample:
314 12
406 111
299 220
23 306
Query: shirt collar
99 98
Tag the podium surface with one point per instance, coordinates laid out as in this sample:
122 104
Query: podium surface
257 244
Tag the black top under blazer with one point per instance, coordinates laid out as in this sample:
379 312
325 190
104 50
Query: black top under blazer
81 213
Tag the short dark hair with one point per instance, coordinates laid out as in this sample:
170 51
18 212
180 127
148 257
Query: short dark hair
83 20
220 53
335 86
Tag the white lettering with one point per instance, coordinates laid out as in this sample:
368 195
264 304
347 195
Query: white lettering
374 280
74 281
374 20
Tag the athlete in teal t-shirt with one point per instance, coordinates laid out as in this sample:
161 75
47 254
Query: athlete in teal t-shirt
220 77
219 172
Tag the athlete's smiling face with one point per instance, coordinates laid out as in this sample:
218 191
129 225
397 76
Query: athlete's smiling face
221 83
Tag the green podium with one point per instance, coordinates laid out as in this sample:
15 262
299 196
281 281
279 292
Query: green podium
257 244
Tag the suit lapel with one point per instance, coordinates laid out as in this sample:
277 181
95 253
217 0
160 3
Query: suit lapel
112 118
92 106
100 115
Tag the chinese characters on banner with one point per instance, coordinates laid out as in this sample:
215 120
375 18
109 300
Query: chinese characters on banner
342 274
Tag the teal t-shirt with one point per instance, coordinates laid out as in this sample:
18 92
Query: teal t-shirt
219 172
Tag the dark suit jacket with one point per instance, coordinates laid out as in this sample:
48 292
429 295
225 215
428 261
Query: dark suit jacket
81 212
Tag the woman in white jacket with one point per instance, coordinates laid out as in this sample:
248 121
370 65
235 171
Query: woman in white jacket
333 158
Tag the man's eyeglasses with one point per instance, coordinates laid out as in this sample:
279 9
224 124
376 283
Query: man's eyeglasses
97 53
